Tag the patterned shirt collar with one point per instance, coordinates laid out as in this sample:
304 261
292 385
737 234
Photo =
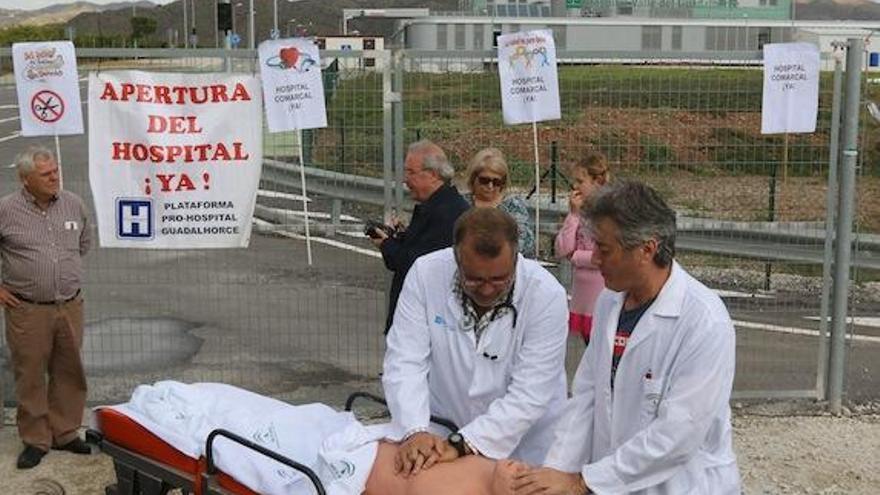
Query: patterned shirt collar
470 318
31 199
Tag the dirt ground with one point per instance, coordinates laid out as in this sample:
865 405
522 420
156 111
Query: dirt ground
781 450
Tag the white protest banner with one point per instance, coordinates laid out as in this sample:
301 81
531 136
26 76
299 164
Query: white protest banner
174 159
529 81
292 86
48 88
791 88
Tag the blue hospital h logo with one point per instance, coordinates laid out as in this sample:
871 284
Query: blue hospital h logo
134 219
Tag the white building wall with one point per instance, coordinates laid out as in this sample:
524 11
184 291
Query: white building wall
592 34
586 37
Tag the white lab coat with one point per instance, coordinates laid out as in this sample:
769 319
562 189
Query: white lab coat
665 429
506 407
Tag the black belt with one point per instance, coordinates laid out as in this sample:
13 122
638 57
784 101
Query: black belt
47 303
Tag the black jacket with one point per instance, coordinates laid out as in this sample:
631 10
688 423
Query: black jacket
429 230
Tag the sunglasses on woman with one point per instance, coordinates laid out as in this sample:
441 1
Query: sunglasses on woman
493 181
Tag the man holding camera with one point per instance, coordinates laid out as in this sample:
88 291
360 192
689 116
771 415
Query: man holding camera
428 175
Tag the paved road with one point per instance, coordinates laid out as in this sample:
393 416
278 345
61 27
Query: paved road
263 319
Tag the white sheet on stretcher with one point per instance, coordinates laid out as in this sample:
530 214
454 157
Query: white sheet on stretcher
334 444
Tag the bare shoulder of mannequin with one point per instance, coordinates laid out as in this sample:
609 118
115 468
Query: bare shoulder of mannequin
471 475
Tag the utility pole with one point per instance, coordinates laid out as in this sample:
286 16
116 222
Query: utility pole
251 36
275 31
185 27
216 27
193 24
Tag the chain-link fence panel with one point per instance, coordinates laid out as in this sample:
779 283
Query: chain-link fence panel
751 207
751 215
863 337
261 317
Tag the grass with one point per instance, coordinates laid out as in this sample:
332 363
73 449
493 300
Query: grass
626 112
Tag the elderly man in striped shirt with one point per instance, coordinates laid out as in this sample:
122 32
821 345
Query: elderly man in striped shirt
44 233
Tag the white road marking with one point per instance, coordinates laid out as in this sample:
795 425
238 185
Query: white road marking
768 327
321 240
312 214
6 107
730 294
11 136
8 119
282 195
862 321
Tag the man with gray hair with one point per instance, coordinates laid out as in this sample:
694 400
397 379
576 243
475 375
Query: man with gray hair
649 411
44 232
428 175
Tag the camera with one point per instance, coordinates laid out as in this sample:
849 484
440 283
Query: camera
372 228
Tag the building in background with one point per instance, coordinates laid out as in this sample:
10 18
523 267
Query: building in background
353 43
582 39
678 9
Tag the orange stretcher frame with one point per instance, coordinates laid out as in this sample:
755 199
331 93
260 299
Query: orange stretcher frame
147 465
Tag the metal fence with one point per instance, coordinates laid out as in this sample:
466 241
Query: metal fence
752 217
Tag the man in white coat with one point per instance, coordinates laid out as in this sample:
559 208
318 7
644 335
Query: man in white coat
478 338
649 411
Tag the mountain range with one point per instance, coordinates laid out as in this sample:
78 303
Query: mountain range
62 12
321 17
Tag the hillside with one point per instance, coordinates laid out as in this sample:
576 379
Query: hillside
322 17
61 13
856 10
316 17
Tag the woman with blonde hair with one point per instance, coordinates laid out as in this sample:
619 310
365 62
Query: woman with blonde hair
487 180
575 242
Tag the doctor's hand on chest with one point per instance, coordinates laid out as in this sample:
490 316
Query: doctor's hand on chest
420 451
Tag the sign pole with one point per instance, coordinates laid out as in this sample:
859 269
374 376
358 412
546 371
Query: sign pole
785 158
529 82
537 190
305 199
58 160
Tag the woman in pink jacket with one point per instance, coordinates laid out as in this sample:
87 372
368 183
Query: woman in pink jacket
575 243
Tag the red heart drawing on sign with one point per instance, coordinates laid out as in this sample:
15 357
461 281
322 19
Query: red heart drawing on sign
289 56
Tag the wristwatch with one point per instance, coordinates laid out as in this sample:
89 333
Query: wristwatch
457 441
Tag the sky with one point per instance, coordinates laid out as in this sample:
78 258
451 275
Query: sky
39 4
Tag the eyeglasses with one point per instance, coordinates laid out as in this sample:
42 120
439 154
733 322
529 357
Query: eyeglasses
473 283
493 181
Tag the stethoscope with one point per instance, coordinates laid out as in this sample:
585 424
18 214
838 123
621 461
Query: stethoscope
496 311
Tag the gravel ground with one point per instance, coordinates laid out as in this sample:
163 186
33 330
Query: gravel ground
782 448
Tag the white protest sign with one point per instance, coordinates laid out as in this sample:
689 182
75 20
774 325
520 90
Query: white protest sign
292 86
791 88
529 80
48 88
174 159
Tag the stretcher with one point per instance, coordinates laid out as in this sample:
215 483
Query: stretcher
147 465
